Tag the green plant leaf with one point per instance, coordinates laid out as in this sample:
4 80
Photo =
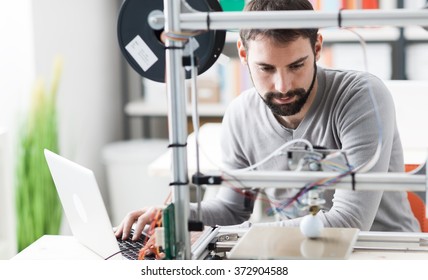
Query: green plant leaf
38 208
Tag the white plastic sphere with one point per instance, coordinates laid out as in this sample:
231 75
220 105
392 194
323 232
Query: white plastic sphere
311 226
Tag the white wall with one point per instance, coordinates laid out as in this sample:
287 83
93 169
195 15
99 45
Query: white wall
89 102
83 33
17 66
7 225
411 99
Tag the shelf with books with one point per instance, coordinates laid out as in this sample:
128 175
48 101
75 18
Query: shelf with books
228 77
140 108
216 88
386 48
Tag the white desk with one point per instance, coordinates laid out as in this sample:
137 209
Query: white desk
56 247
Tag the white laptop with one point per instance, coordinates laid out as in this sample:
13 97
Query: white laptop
83 206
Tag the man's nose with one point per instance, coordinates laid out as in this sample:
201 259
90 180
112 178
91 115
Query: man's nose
282 82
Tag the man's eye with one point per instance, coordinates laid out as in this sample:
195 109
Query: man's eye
296 66
266 69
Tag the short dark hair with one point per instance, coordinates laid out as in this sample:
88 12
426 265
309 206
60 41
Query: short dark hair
282 36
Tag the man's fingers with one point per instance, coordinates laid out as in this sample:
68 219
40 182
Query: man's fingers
142 221
127 223
140 218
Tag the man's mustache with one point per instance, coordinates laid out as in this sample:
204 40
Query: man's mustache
289 94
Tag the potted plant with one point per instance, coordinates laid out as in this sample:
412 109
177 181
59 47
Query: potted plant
39 211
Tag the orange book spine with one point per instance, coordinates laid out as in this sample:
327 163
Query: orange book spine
370 4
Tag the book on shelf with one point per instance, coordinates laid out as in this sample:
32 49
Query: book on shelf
233 78
335 5
414 4
351 56
218 85
416 62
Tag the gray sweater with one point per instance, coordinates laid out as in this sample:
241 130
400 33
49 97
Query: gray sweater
342 116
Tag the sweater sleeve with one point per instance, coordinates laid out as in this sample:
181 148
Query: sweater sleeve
227 208
366 126
230 206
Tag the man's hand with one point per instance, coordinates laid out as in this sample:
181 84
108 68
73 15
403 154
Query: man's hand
141 218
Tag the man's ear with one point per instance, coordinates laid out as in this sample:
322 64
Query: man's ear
242 52
318 47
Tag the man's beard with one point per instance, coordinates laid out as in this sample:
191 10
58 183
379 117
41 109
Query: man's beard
289 109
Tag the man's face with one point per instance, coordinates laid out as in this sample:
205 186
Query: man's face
281 74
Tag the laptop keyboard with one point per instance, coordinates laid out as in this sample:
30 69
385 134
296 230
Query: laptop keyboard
130 248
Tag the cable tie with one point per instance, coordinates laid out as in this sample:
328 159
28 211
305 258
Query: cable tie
179 183
208 21
249 198
339 18
187 61
353 180
177 145
174 48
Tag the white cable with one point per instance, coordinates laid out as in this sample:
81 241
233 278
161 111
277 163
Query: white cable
270 156
363 46
275 153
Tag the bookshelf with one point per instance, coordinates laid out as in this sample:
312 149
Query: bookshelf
389 50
